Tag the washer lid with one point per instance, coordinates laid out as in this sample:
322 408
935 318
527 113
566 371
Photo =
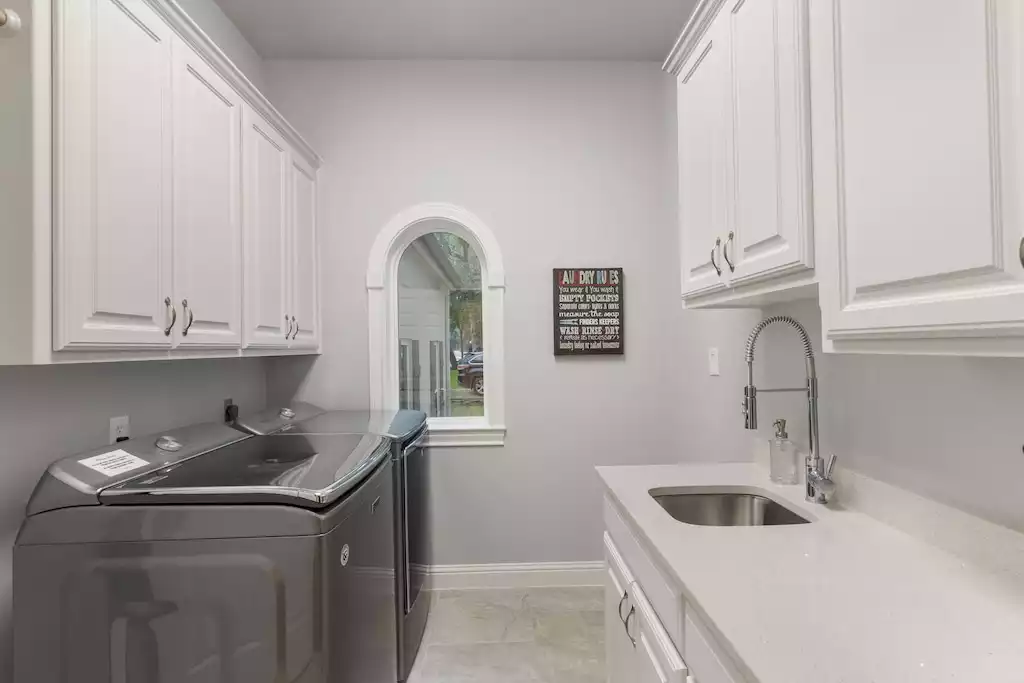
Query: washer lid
310 471
78 480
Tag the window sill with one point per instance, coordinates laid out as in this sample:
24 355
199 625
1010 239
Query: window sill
449 432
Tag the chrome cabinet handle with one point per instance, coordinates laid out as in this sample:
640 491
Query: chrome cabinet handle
295 332
718 244
625 594
174 316
725 252
632 613
191 317
288 329
1021 251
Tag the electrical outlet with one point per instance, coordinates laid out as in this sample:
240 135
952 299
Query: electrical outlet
120 429
230 410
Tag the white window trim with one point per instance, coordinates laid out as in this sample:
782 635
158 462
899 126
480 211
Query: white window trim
382 292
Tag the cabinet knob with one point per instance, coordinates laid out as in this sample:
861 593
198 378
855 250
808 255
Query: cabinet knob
10 22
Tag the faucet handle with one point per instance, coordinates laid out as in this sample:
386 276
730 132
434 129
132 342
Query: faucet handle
831 463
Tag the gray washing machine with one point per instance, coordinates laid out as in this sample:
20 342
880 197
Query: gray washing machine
407 431
204 555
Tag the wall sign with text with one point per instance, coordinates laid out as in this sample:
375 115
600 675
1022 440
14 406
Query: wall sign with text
588 311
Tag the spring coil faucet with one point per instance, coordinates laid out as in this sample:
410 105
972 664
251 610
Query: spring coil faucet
820 486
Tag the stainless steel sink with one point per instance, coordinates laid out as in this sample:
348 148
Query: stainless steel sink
726 509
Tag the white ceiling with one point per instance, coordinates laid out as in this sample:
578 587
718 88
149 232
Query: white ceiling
461 29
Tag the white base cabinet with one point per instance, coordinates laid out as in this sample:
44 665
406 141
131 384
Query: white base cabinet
651 634
137 201
638 649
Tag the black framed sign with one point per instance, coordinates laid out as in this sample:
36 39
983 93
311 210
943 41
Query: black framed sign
589 311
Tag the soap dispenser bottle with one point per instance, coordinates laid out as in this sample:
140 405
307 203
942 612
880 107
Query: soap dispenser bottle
784 462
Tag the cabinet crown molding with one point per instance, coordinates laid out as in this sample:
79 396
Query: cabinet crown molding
191 33
702 16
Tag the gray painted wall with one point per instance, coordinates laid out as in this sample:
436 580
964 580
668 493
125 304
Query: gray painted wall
216 24
570 165
946 428
49 412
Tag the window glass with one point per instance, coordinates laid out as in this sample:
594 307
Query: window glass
440 326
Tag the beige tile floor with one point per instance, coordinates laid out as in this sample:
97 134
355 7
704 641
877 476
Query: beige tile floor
539 635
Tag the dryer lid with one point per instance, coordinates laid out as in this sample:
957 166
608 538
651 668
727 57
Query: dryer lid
395 424
273 420
311 471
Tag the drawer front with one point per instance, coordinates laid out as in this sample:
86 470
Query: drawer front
659 662
705 664
666 600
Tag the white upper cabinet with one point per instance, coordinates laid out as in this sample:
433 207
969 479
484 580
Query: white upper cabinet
112 181
704 120
161 207
207 199
744 153
305 306
267 172
917 129
771 145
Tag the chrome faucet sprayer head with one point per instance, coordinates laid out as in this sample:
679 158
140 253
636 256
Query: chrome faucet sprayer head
750 391
818 480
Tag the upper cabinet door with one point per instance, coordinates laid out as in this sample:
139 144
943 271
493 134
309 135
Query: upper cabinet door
304 280
917 151
112 228
771 128
704 122
207 204
266 173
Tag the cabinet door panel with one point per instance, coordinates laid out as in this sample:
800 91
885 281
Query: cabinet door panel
113 176
772 174
926 216
305 301
265 161
704 121
207 198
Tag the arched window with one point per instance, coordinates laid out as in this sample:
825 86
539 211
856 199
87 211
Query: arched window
436 288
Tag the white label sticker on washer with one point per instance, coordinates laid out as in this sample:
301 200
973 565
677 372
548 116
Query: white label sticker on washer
114 462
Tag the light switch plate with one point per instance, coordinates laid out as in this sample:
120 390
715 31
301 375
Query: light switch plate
713 369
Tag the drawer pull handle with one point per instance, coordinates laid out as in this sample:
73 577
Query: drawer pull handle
174 316
718 245
625 594
725 252
632 613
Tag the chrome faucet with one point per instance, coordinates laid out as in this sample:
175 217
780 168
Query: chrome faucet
820 486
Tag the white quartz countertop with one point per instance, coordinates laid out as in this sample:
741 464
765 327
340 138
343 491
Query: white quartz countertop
842 599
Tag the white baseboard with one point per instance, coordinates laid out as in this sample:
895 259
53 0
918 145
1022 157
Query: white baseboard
515 575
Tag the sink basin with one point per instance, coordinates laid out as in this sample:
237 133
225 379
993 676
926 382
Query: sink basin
726 509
